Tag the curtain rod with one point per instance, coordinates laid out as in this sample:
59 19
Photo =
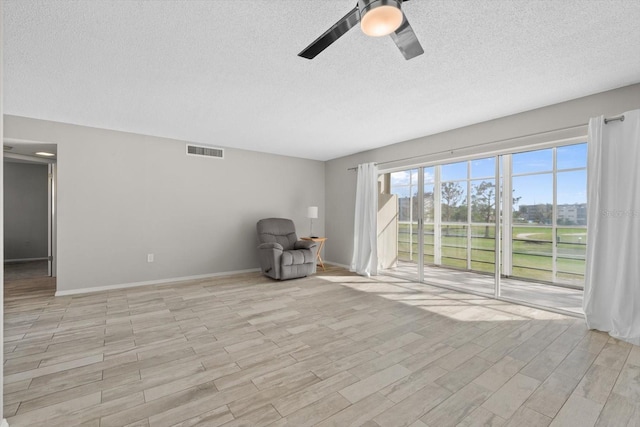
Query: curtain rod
613 119
621 118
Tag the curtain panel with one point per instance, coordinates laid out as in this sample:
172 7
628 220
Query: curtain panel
364 261
612 278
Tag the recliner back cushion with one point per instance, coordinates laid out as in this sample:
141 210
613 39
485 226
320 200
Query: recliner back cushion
277 230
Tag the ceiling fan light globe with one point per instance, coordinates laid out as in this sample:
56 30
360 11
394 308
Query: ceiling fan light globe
381 21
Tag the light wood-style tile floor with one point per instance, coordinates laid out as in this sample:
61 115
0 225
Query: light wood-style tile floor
330 350
25 270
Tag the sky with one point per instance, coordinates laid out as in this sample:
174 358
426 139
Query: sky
533 189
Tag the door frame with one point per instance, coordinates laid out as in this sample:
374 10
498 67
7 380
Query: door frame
52 233
52 220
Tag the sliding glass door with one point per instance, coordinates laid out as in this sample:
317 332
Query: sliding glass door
446 220
507 226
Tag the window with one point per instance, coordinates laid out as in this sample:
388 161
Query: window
404 185
549 214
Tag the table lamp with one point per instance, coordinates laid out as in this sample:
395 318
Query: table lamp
312 212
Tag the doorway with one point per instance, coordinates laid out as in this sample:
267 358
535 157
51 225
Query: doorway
29 212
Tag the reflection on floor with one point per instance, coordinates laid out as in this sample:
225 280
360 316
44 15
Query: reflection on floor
554 297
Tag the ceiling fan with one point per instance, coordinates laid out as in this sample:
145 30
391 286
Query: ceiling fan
377 18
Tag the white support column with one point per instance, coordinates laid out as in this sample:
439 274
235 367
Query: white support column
506 221
437 217
468 215
421 225
554 225
410 215
507 215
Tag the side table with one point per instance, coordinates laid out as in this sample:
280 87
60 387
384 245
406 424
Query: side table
321 241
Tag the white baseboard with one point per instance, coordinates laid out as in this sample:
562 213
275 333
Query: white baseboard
4 423
150 282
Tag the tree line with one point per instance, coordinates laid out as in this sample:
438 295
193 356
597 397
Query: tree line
454 204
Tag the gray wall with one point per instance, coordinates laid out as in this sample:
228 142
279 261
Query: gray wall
504 133
122 196
25 210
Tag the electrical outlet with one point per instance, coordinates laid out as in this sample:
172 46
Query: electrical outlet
149 257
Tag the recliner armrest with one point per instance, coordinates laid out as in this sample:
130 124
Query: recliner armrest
274 245
305 244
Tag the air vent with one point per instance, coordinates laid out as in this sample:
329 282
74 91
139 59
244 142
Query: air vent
204 151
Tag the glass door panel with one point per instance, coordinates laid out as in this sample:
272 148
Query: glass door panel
571 214
483 248
407 241
571 255
402 188
454 202
532 237
454 245
532 253
429 245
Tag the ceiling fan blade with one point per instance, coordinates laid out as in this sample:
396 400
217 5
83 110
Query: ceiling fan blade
406 40
332 34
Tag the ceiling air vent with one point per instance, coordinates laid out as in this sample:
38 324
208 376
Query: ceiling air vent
204 151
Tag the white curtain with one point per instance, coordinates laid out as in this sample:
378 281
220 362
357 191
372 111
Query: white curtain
612 281
364 261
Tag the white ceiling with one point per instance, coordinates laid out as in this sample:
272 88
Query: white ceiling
227 73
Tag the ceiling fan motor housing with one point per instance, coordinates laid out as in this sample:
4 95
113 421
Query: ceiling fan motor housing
379 17
365 6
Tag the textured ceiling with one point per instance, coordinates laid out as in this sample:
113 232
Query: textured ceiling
227 73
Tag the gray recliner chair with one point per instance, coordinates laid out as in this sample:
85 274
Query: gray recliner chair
282 255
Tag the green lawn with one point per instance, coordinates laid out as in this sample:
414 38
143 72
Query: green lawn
532 250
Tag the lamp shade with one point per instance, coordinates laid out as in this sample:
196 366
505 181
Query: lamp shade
312 212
